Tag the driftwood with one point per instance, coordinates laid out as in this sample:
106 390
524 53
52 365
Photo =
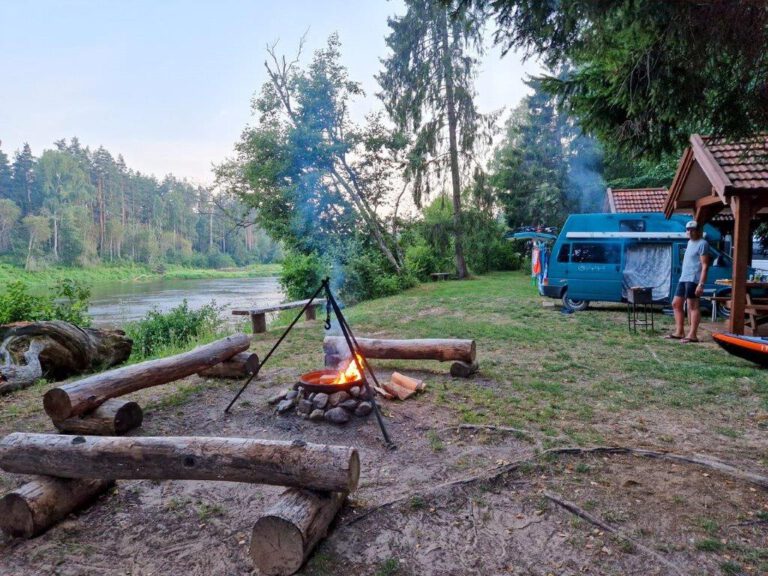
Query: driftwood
56 350
86 395
239 366
423 349
284 535
37 505
113 418
299 464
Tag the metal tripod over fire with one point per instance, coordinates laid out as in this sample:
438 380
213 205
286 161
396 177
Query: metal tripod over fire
361 362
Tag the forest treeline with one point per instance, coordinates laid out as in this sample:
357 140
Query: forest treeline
75 206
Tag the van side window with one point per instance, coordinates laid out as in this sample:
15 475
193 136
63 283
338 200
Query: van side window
604 253
631 225
562 256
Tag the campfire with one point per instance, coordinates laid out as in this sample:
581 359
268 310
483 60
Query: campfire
329 380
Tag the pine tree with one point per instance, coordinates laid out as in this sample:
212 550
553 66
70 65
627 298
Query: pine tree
427 88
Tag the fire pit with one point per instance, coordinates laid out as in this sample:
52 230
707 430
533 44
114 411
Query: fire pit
328 395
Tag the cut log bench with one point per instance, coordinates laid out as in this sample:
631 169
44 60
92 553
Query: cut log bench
461 352
259 315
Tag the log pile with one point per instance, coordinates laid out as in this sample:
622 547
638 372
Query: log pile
461 352
77 469
56 350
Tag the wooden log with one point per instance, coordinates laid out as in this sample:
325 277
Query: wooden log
239 366
113 418
284 536
259 322
86 395
300 464
400 392
408 382
463 369
56 350
38 505
423 349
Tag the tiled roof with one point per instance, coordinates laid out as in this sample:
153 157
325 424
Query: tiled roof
636 199
744 163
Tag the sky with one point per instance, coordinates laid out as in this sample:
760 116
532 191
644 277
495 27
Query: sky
168 83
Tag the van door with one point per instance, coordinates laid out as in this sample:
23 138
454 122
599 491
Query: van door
595 271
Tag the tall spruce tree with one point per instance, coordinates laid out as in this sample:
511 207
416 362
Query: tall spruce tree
427 88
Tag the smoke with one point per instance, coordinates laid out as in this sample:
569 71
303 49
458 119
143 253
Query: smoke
586 186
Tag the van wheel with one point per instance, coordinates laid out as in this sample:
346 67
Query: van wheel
575 305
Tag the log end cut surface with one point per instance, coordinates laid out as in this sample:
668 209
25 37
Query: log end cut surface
16 518
56 402
354 470
277 546
128 417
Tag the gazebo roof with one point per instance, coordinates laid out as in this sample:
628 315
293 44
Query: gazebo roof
712 169
636 199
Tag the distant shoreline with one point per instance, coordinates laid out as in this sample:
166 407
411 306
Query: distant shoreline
129 273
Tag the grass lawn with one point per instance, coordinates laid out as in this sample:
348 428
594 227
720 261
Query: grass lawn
438 504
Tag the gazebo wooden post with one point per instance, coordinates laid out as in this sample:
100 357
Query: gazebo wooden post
741 208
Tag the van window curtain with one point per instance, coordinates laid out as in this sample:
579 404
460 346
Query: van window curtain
648 266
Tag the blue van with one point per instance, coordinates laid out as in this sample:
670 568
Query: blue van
597 257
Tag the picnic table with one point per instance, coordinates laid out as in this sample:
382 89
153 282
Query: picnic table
755 309
259 315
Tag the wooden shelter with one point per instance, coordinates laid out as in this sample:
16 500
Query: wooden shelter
716 177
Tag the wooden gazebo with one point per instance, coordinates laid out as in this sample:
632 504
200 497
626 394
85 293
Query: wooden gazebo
714 177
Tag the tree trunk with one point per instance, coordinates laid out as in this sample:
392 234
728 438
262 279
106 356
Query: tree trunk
55 237
57 350
113 418
284 535
424 349
239 366
297 463
461 266
85 395
38 505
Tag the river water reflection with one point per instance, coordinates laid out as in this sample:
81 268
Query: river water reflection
116 303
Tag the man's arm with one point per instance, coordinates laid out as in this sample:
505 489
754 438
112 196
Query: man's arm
704 259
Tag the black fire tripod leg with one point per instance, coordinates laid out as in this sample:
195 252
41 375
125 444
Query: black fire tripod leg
256 372
354 349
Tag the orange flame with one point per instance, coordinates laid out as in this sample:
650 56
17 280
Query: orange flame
350 373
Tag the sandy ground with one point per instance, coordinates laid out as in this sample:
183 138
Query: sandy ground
445 502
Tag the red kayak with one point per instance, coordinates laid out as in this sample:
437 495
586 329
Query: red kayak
752 348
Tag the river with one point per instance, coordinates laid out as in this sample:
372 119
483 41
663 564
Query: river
114 304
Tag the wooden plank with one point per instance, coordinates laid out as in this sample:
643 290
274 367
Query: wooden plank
275 307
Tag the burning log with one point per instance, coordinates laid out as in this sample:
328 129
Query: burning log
284 536
239 366
299 464
89 393
113 418
424 349
38 505
57 350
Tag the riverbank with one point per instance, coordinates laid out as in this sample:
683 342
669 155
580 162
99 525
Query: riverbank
130 273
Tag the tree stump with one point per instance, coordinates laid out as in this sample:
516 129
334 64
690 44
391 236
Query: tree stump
284 535
56 350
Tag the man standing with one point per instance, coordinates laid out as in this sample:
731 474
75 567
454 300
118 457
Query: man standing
692 279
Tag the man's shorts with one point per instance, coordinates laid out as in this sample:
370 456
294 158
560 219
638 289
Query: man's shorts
686 290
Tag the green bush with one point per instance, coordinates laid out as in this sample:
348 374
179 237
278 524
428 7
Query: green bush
67 301
421 260
173 329
218 260
368 275
302 274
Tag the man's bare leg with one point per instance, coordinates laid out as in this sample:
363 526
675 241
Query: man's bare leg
694 318
677 308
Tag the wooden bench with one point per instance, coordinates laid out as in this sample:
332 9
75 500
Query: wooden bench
757 314
259 315
437 276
